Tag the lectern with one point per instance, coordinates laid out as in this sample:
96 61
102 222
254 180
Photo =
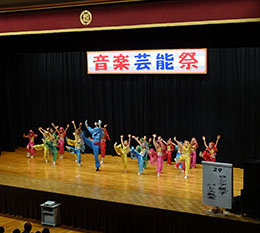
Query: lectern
50 212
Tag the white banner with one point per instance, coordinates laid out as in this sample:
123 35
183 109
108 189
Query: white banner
171 61
217 184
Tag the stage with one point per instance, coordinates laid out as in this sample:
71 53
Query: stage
170 192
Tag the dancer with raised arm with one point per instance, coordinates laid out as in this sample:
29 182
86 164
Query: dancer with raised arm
30 150
96 133
61 135
185 155
170 148
123 149
139 155
211 150
103 143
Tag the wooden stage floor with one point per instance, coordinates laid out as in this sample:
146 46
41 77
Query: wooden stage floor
170 191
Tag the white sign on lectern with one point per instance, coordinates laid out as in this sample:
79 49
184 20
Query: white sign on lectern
217 184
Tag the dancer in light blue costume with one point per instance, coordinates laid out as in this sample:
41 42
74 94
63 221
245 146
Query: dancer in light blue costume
97 134
178 154
139 156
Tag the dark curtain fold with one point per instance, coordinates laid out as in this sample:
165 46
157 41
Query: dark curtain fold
103 216
40 88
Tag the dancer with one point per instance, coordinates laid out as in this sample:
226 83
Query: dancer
76 146
170 148
30 150
50 143
157 156
103 143
61 135
46 140
185 155
97 133
178 154
211 150
139 148
123 149
139 156
193 155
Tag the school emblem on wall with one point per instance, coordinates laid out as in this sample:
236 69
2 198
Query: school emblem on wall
85 17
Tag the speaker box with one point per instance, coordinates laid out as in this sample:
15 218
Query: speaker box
251 191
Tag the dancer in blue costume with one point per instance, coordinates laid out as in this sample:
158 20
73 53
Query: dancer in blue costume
97 134
140 155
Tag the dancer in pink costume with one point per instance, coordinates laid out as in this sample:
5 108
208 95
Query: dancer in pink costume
30 150
193 156
61 136
157 156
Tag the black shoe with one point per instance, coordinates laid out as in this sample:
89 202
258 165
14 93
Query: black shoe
97 169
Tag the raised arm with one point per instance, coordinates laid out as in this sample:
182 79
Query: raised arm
137 140
73 123
218 137
179 144
55 127
129 139
67 128
204 141
121 139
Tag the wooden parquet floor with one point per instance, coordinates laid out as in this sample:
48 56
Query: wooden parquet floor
169 191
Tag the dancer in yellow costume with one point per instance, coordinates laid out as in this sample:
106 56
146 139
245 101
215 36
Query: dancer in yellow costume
185 155
46 140
123 149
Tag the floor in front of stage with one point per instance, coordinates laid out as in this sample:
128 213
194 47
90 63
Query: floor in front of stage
169 191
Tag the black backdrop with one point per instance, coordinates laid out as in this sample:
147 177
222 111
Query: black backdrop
48 82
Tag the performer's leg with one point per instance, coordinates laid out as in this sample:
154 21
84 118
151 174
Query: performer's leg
78 156
140 164
61 146
169 156
103 148
118 149
87 141
194 157
159 165
124 159
206 155
71 142
54 156
95 152
187 166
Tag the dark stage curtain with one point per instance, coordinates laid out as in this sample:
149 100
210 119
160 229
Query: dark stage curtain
40 88
112 217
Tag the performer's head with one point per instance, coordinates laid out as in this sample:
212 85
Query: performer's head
125 143
61 130
31 132
186 143
211 145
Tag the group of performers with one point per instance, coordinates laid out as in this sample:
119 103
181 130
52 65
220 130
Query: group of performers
155 149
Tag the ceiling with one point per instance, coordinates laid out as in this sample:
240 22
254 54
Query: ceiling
18 5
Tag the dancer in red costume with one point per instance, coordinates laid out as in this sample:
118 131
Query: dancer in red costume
103 143
211 150
170 148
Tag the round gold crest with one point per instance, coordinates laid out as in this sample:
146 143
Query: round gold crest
85 17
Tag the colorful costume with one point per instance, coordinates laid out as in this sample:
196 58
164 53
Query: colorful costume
168 152
97 133
178 154
29 147
61 142
45 148
77 149
123 150
103 143
210 153
185 157
158 156
193 154
139 157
